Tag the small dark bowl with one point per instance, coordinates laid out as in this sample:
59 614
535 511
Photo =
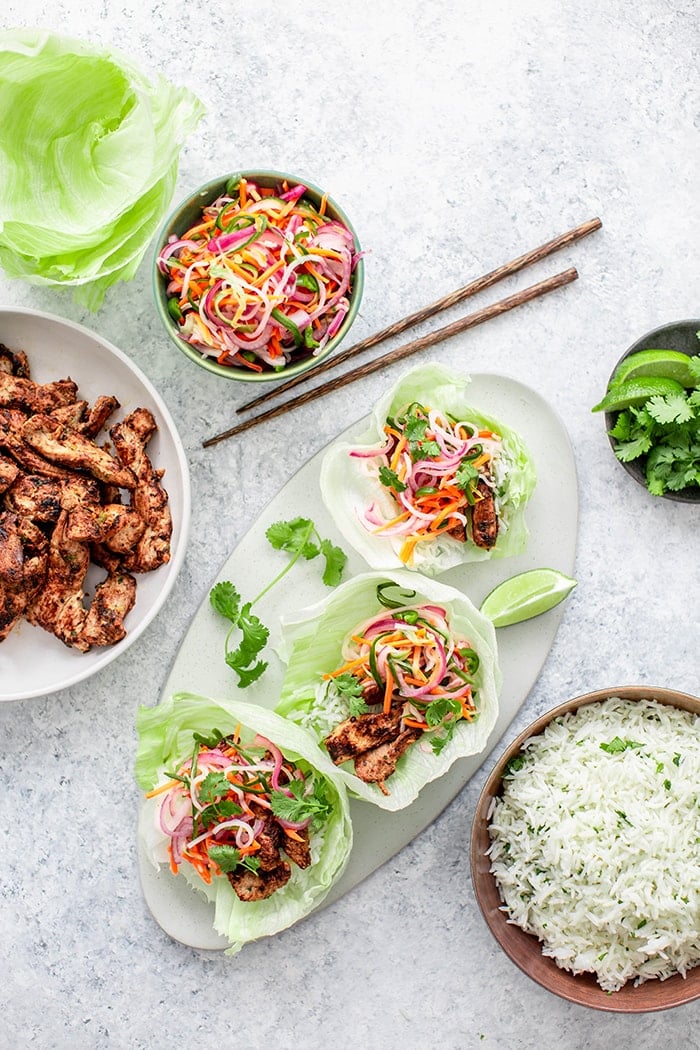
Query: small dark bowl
680 336
184 216
523 948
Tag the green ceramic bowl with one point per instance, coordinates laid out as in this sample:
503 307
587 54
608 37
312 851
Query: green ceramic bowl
185 215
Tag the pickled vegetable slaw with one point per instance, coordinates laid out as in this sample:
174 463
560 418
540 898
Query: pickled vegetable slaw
213 804
408 655
431 465
262 279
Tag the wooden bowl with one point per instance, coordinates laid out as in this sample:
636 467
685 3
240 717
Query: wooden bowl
523 948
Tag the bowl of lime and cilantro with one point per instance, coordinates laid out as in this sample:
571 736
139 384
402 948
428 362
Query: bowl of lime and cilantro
652 411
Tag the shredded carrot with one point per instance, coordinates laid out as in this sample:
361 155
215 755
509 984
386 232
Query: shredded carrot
163 787
388 692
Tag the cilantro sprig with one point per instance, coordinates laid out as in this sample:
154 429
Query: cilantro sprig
300 538
296 803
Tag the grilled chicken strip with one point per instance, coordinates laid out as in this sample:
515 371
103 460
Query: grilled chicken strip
105 405
12 597
375 766
149 498
114 598
14 362
68 447
361 733
258 886
11 440
484 518
8 473
298 852
116 525
17 392
35 497
59 605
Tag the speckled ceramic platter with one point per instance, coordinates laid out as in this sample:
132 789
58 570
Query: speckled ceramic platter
32 661
523 648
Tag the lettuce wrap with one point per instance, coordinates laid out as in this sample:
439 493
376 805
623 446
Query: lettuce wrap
283 768
433 482
328 691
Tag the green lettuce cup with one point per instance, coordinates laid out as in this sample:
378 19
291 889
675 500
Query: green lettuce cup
243 805
396 676
433 482
90 152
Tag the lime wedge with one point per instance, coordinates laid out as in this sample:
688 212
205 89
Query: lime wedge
636 392
526 595
664 364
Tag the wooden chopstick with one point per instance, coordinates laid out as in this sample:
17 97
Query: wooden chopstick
473 288
401 352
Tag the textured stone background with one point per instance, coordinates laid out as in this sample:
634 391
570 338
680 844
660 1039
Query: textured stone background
457 135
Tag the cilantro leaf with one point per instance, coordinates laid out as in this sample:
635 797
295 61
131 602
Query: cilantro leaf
212 787
335 560
466 477
390 479
298 806
694 366
350 689
673 408
293 536
229 858
226 600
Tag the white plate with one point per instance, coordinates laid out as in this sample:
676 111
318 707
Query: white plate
32 661
199 666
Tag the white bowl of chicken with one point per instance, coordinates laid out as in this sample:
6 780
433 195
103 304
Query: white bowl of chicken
94 503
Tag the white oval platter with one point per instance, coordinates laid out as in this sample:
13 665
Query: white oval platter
199 666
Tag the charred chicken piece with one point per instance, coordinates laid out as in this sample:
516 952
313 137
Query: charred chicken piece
114 598
8 473
17 392
258 886
58 607
149 498
375 766
14 362
96 417
11 440
299 852
484 518
68 447
12 597
361 733
116 525
34 497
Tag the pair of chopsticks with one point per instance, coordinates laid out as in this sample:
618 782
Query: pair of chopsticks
502 306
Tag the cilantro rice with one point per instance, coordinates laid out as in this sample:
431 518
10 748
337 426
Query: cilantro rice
595 841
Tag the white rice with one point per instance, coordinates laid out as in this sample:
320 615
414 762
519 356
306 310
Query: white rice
597 853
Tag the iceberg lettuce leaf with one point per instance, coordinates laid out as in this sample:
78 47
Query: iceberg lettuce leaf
88 160
311 646
348 489
166 738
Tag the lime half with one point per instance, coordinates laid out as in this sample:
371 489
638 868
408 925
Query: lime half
526 595
663 364
636 392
